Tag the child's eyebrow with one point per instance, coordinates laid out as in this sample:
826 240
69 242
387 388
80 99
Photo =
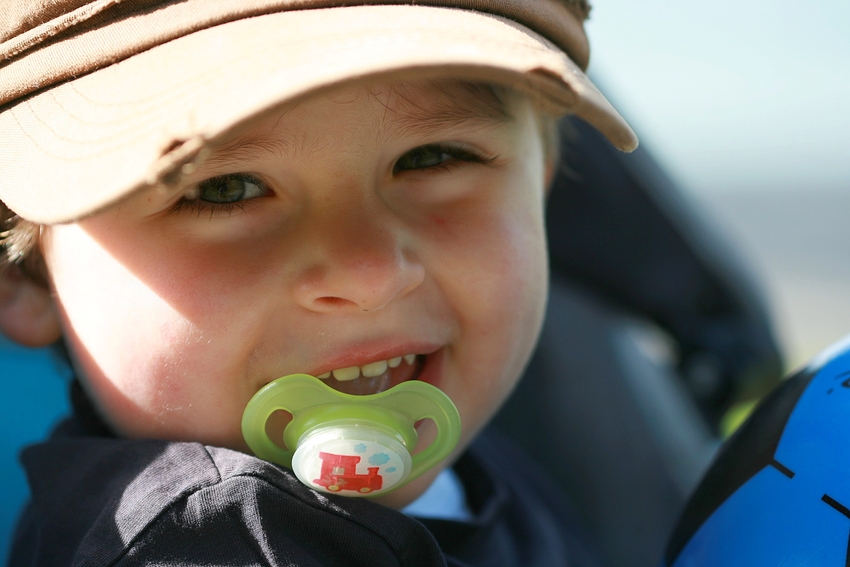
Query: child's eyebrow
428 125
250 147
475 107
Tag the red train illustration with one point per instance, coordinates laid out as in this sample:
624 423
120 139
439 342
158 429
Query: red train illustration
339 472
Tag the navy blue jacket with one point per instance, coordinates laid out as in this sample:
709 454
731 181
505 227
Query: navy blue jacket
98 500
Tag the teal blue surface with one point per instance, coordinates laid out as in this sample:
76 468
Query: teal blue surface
35 397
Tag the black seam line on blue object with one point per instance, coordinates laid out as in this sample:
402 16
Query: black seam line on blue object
835 504
782 468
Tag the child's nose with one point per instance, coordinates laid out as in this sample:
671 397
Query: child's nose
357 263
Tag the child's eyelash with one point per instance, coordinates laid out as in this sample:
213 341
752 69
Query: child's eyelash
430 157
193 201
462 153
417 158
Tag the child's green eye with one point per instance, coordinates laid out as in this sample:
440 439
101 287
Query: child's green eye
230 189
434 155
423 157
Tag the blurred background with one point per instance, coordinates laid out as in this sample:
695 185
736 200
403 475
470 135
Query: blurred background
743 103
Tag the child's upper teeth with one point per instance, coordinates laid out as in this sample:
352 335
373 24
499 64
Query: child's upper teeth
368 370
346 374
374 368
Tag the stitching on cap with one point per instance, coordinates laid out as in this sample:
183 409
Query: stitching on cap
22 42
50 77
38 34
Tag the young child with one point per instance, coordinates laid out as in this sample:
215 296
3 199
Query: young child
202 196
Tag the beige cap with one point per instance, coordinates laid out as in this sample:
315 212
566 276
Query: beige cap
101 98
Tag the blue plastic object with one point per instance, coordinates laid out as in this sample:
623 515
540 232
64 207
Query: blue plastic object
35 397
779 491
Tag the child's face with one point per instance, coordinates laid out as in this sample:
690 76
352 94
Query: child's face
354 227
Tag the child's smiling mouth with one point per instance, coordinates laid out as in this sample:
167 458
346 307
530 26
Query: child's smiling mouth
376 376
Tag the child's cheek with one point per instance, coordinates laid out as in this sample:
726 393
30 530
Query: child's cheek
151 355
490 262
170 381
494 255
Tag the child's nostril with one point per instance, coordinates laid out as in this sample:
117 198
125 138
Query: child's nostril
331 302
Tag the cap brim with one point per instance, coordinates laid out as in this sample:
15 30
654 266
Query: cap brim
86 143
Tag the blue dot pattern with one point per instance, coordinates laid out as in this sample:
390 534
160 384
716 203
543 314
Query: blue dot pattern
379 459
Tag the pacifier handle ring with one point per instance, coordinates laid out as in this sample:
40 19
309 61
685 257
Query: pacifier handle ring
423 401
297 393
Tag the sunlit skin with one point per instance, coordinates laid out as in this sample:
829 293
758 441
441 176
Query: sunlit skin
350 244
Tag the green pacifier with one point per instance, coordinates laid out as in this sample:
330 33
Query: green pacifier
351 445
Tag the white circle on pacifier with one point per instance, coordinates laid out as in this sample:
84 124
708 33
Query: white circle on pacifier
355 460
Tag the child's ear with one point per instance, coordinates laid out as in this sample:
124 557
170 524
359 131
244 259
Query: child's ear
27 312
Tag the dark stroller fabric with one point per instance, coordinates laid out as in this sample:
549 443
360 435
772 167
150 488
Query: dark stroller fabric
619 228
626 435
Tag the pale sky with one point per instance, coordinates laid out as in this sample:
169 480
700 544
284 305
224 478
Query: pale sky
732 95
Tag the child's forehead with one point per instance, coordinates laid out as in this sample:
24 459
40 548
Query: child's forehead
437 94
422 108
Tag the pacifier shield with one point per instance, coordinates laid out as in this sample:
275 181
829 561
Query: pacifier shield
353 460
351 445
